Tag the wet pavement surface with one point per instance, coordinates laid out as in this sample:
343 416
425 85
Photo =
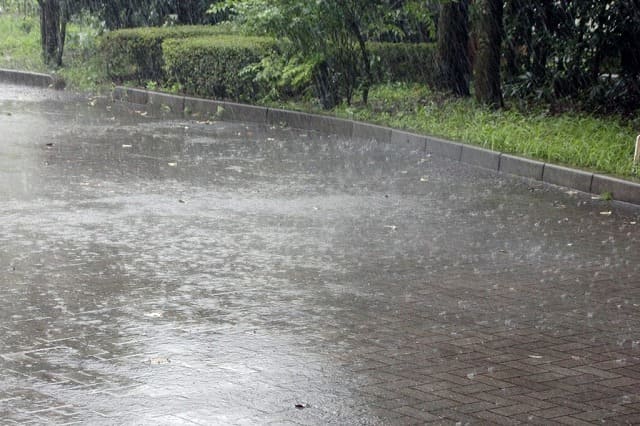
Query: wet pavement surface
164 271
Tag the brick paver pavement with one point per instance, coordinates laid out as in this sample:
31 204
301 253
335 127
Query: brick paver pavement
172 272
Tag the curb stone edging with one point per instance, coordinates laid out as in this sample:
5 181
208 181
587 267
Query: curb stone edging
621 190
29 78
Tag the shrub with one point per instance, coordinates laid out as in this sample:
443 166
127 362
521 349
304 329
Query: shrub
219 66
404 62
136 53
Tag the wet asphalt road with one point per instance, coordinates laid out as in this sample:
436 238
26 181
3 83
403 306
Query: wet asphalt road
164 271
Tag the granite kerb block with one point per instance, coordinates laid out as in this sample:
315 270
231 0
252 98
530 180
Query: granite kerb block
480 157
570 178
523 167
620 190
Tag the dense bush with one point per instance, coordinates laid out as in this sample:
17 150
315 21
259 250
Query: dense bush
136 53
217 66
404 62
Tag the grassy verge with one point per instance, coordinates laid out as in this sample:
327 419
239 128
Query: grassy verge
20 49
20 43
602 144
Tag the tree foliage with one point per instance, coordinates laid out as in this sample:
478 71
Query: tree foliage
324 40
584 50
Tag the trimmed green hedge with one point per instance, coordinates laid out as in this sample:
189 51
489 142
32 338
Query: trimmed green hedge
217 67
136 53
405 62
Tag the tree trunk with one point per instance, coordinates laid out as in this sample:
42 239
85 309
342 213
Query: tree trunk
453 47
366 59
53 29
487 65
190 12
540 51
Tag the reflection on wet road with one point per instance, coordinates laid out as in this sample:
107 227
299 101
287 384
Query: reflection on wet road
166 271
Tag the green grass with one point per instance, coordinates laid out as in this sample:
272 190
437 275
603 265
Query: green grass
20 43
20 49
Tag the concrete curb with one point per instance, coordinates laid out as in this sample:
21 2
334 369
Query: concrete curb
521 166
588 182
27 78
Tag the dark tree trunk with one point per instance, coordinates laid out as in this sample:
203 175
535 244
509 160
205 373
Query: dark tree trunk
53 29
542 46
630 53
487 65
366 60
190 11
326 86
453 47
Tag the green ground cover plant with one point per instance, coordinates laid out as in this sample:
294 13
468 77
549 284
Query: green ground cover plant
20 43
83 69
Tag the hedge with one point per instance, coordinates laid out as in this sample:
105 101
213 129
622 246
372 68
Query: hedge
407 62
218 66
136 53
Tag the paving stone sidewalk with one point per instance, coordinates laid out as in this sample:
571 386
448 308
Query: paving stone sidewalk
182 272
